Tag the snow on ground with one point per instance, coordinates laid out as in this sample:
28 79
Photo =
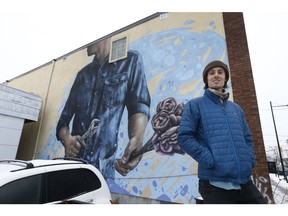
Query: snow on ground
279 189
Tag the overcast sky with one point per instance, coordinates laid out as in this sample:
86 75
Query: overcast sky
33 32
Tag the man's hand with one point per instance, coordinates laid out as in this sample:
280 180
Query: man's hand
136 127
72 145
128 162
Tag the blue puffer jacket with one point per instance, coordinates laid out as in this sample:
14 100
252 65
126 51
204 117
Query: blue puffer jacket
217 136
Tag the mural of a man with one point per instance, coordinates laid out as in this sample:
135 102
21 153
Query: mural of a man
102 90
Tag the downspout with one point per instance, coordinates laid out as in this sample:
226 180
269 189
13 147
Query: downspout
44 108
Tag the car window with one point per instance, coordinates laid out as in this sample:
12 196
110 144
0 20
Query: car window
66 184
22 191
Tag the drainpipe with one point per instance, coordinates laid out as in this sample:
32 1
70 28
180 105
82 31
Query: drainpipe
44 108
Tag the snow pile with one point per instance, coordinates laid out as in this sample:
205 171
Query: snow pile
279 189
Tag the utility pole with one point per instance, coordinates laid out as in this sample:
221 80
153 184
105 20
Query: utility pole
279 149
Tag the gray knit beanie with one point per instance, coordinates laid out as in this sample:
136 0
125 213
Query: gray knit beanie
212 65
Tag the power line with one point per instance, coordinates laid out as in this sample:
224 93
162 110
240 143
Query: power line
277 109
274 135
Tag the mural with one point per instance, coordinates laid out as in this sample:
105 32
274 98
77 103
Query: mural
101 91
137 105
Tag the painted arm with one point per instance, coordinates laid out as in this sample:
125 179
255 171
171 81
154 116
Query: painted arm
136 128
72 144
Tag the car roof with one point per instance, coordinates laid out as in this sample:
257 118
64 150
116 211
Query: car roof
14 165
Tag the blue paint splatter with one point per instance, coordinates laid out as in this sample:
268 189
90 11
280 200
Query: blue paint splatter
135 189
121 134
188 22
164 197
184 190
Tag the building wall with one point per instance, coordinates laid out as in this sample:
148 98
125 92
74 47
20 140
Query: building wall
245 93
174 50
16 107
10 132
36 81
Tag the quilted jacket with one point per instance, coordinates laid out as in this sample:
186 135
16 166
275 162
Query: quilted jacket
217 136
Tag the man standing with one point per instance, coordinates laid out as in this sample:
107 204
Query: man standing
102 91
214 131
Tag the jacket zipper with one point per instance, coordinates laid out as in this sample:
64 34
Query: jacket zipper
231 140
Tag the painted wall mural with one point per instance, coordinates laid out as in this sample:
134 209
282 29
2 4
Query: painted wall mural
138 102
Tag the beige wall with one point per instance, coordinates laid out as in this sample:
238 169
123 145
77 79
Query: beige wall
37 82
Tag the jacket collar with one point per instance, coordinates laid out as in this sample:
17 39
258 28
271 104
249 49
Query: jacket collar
214 97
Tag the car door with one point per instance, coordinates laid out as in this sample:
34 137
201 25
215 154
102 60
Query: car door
26 190
77 184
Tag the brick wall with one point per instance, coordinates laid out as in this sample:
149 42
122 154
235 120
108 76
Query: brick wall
244 92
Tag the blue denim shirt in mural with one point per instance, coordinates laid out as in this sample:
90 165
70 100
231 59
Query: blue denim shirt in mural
103 92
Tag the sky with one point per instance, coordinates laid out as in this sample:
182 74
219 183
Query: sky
34 32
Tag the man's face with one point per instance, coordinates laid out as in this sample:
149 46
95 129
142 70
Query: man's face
216 78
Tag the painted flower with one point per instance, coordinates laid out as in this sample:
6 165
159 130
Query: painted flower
165 124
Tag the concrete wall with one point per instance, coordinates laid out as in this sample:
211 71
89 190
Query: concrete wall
16 107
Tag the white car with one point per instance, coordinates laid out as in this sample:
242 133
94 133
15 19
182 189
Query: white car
52 181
